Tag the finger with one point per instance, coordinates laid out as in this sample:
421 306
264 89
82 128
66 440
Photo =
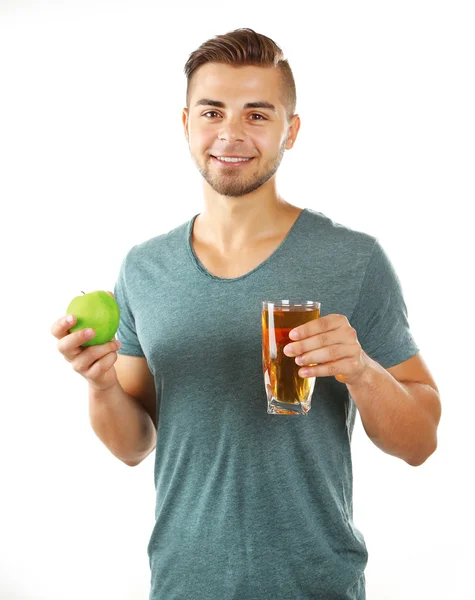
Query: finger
343 368
70 345
326 355
336 336
101 366
61 327
83 362
111 293
319 325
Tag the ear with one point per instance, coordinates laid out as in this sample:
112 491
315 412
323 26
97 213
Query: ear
293 132
184 118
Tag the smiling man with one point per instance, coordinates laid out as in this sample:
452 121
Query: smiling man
251 505
236 163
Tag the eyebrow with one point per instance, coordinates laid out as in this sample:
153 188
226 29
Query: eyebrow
219 104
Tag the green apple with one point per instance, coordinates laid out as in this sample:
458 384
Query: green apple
99 311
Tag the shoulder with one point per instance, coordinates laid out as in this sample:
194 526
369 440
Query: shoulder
158 245
336 238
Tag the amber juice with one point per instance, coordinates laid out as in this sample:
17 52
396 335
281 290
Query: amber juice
287 392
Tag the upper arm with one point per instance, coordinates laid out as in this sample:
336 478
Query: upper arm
414 370
136 380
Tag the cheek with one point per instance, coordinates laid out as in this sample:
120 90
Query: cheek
203 139
266 141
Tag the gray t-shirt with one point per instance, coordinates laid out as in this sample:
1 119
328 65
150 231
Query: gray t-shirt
252 506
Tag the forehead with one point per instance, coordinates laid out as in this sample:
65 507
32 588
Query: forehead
240 84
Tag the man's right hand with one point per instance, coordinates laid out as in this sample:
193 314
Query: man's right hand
94 363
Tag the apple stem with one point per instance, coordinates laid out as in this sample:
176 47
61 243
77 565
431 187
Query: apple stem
82 292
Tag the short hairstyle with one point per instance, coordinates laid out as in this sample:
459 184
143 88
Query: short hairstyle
243 47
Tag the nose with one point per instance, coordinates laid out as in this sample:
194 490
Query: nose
231 131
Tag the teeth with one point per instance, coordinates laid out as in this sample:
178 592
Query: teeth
228 159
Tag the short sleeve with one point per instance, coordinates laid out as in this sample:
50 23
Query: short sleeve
381 317
126 333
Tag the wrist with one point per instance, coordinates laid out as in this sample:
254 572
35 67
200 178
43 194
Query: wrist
98 390
366 375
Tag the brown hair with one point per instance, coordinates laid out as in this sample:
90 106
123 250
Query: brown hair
244 47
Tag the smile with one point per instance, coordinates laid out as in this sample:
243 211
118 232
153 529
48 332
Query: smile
230 161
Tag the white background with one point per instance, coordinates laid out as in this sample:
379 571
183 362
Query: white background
93 160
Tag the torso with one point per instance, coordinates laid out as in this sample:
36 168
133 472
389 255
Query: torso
220 458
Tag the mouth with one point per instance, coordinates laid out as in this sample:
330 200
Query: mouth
232 161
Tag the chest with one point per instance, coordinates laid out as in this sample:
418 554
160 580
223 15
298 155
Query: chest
235 264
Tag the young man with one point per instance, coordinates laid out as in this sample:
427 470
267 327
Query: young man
251 505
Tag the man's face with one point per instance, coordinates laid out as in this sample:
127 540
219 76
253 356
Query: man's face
227 118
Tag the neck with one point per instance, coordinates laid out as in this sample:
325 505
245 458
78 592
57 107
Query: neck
233 224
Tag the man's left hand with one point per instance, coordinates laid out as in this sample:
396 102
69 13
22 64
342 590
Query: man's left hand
328 346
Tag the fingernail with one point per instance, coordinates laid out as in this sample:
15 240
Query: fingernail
294 335
90 333
69 319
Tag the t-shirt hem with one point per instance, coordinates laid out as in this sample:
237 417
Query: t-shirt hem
129 351
401 356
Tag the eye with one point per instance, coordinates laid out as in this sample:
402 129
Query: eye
261 117
210 112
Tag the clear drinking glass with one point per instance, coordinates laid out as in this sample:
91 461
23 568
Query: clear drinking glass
287 392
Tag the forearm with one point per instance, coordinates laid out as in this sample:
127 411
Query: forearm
122 424
397 416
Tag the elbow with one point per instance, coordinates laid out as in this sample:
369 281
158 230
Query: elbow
413 462
133 462
421 457
130 463
138 459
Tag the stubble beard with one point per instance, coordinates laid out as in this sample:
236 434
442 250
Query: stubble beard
234 184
